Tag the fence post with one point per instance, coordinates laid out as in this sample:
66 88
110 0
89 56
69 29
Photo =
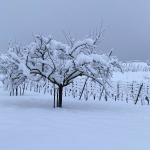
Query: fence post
65 91
54 95
57 95
138 93
118 90
20 90
83 87
13 92
127 99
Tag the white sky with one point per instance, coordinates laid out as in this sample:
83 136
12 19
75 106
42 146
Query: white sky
129 33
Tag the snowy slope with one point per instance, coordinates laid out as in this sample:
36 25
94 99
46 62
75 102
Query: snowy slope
131 76
31 123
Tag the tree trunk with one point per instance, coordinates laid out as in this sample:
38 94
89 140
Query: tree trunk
57 96
60 95
17 91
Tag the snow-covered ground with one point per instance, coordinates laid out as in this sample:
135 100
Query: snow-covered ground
30 122
131 76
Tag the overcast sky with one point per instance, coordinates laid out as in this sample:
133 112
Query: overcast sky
129 33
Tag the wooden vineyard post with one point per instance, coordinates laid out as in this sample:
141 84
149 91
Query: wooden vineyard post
48 89
37 88
13 92
86 93
57 95
127 99
23 89
147 100
65 92
73 93
101 94
80 89
76 88
29 86
127 92
138 94
20 90
83 87
105 96
45 89
132 91
147 88
54 95
122 97
118 90
91 86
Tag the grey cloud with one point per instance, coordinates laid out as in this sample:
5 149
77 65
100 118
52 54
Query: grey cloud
128 34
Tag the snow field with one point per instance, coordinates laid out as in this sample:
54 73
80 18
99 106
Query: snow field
30 122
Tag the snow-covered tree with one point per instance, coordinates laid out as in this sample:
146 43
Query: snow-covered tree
12 67
60 63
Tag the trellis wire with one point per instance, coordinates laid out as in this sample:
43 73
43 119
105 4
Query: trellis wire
122 90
